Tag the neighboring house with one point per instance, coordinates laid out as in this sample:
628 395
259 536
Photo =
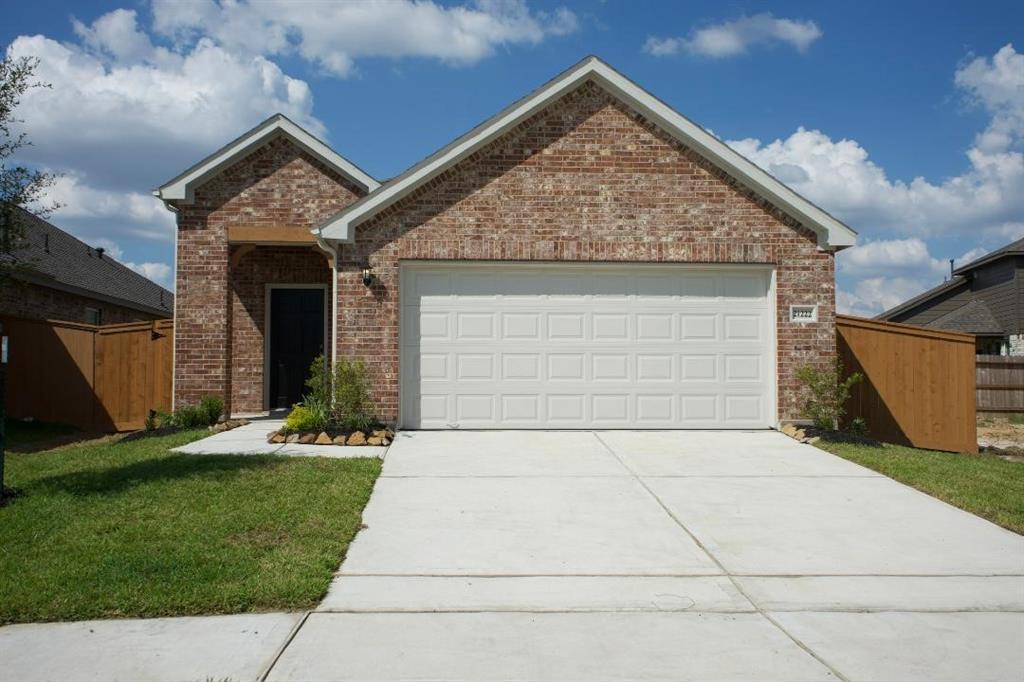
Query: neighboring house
586 258
57 277
984 298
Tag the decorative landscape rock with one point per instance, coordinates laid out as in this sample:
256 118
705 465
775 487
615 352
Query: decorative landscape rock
378 437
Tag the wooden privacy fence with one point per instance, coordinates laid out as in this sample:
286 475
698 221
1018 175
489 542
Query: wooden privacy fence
918 386
1000 383
98 378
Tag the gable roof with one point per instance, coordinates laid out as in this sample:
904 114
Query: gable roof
831 232
53 258
974 318
947 286
182 187
1012 249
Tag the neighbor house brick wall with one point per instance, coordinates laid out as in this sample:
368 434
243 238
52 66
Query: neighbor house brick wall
276 185
36 302
264 265
585 180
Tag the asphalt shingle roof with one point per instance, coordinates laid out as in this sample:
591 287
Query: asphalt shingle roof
973 318
52 256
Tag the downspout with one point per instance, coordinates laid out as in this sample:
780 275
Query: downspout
332 251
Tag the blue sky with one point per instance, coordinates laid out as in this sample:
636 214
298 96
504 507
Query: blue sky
906 120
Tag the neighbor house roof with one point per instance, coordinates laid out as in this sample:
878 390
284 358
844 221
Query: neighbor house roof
182 187
831 232
1012 249
973 317
54 259
947 286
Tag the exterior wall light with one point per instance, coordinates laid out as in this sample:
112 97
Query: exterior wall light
367 276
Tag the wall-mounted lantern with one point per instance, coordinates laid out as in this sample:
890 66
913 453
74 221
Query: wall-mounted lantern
367 276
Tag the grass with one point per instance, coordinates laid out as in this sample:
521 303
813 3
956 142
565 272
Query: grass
21 436
127 528
985 485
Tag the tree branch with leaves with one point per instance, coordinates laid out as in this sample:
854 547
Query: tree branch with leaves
21 188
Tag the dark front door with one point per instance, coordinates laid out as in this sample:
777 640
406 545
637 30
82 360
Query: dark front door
296 338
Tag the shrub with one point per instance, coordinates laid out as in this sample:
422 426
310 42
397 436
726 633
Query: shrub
189 417
826 392
206 413
319 381
338 396
212 407
352 408
311 415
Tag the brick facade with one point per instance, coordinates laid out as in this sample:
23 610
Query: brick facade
36 302
587 179
277 185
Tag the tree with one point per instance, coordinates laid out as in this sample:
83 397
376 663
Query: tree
21 187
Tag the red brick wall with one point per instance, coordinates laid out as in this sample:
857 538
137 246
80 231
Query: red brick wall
277 265
35 302
276 185
585 180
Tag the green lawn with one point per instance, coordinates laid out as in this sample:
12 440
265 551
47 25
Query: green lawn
20 435
985 485
128 529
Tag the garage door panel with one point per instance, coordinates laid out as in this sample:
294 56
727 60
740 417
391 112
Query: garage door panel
529 347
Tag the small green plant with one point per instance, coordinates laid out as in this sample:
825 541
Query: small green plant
151 422
826 392
1016 418
857 427
319 412
300 419
212 407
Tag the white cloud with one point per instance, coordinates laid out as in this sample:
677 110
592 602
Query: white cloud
887 272
984 203
875 294
161 273
732 38
335 35
882 257
110 214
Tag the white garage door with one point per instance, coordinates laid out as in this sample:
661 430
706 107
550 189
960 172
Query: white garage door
593 346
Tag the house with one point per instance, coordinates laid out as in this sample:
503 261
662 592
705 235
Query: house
984 298
587 257
54 276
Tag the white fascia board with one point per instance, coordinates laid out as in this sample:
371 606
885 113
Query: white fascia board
832 234
182 188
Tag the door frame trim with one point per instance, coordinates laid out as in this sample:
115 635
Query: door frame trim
769 269
267 288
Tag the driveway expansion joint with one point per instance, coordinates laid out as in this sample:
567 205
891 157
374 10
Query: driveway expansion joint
721 566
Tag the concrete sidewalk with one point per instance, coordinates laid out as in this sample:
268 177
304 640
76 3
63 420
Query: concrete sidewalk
609 556
251 439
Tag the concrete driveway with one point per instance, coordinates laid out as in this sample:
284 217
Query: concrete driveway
659 555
